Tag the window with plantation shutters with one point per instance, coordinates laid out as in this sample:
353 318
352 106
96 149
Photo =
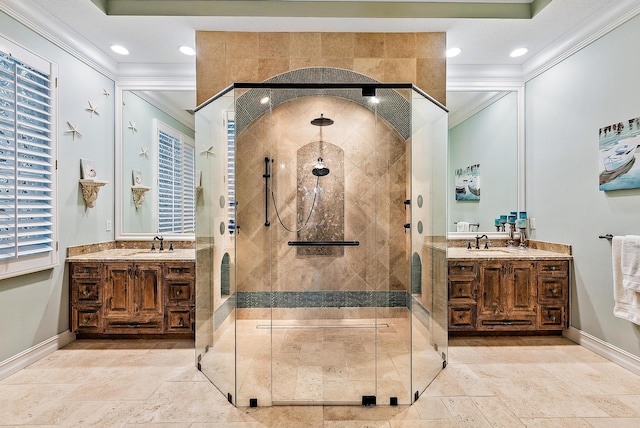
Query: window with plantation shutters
27 162
176 181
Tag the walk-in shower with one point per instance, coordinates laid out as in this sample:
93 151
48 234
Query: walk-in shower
312 300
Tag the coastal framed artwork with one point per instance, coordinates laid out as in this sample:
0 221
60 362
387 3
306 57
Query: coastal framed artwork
467 181
618 143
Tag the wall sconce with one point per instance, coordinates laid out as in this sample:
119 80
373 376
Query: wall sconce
138 195
90 189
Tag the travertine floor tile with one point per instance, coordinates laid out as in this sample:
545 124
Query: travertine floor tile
497 382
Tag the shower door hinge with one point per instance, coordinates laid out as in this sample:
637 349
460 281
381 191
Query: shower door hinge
368 400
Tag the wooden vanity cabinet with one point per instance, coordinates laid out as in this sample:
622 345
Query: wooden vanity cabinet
86 297
553 279
179 288
508 295
463 288
133 298
124 298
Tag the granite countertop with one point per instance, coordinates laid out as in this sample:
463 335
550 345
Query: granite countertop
461 253
135 254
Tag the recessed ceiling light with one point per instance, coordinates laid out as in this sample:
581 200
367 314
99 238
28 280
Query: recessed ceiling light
518 52
264 100
187 50
453 52
120 49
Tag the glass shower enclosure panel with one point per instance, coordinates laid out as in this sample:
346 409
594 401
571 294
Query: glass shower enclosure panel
429 334
215 244
306 281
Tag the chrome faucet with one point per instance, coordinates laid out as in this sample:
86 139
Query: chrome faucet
486 243
153 245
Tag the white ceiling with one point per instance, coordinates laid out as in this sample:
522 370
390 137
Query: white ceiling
486 43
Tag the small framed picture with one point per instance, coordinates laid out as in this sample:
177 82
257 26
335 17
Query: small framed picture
137 178
88 169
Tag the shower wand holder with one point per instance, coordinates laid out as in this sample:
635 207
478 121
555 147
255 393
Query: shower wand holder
266 176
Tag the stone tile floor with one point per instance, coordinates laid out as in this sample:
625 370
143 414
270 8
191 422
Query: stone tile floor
489 382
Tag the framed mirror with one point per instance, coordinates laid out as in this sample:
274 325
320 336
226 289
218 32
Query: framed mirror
155 179
486 156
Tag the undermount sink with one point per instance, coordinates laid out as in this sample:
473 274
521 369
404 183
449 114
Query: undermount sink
489 250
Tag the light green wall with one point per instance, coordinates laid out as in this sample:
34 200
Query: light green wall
488 138
34 307
565 107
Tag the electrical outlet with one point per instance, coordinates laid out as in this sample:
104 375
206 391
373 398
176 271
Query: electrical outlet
108 226
532 223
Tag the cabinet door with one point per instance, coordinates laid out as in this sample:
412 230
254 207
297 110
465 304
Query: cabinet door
148 290
491 288
118 293
521 288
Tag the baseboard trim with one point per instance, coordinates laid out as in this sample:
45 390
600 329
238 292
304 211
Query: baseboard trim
35 353
604 349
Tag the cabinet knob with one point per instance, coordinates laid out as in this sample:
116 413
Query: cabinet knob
461 267
85 320
85 292
85 270
553 318
554 291
460 290
553 268
179 292
180 321
462 316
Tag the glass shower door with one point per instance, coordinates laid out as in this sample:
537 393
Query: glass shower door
322 234
215 246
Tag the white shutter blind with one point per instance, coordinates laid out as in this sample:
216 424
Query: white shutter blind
231 170
176 183
189 188
26 160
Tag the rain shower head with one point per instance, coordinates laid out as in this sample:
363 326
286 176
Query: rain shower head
322 121
320 169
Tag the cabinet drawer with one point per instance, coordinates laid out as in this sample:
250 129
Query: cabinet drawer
179 292
506 323
462 317
553 267
179 320
86 270
462 288
179 270
463 268
86 320
132 326
551 318
86 291
552 289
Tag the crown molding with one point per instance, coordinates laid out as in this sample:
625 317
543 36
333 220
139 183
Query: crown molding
37 20
572 42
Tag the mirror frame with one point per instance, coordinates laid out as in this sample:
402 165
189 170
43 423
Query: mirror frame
498 86
134 84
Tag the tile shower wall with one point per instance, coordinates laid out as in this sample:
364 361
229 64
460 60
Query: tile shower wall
375 186
228 57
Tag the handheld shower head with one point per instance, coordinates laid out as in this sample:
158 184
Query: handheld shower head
320 169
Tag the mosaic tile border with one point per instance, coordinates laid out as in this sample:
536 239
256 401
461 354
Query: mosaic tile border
321 299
